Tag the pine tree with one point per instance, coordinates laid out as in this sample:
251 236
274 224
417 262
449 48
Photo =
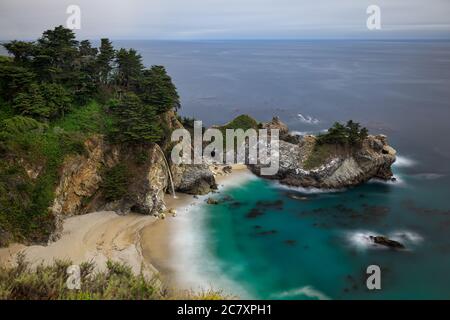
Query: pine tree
136 122
13 78
32 103
129 68
156 88
104 60
56 53
22 51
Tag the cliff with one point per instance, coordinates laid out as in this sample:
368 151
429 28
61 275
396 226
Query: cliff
82 187
305 163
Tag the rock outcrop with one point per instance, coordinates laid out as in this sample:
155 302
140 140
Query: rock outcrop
343 167
147 185
80 176
386 242
194 179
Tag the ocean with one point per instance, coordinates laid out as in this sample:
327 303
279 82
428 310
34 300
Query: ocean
268 241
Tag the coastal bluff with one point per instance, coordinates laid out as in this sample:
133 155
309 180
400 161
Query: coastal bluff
306 163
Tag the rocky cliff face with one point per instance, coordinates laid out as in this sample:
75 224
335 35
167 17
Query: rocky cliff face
80 187
195 179
343 167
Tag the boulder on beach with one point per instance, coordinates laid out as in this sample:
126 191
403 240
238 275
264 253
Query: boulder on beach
212 201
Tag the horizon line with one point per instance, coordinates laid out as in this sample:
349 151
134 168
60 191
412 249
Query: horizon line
250 39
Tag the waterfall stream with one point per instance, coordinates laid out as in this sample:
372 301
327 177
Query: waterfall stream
168 169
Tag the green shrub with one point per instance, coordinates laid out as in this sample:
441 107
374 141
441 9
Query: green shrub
117 282
243 122
115 182
351 134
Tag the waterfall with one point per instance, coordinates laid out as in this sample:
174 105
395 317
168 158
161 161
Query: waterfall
168 169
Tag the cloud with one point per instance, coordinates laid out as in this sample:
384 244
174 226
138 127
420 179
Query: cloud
220 19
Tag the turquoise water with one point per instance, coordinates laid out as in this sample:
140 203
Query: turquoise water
288 244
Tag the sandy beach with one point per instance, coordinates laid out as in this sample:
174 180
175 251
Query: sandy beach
143 242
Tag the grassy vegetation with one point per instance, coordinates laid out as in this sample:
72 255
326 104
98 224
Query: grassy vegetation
244 122
320 154
26 142
92 118
117 282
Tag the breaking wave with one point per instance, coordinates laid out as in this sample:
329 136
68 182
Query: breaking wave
307 119
307 291
404 162
304 133
306 190
361 239
399 182
405 236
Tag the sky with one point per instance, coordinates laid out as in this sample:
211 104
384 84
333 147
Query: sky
228 19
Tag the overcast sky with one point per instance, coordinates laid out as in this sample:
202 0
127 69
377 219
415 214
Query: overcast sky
228 19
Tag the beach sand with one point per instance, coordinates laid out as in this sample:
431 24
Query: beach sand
142 242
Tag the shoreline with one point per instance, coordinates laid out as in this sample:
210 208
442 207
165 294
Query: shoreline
145 243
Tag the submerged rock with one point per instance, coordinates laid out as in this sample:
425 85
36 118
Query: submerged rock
384 241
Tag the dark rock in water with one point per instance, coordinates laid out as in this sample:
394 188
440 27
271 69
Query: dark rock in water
257 227
266 233
384 241
290 242
254 213
278 204
227 198
212 201
393 179
235 205
376 210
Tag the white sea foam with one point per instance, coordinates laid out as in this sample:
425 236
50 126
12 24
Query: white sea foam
307 291
304 133
238 181
305 190
361 238
399 181
196 268
428 176
307 119
404 162
405 236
